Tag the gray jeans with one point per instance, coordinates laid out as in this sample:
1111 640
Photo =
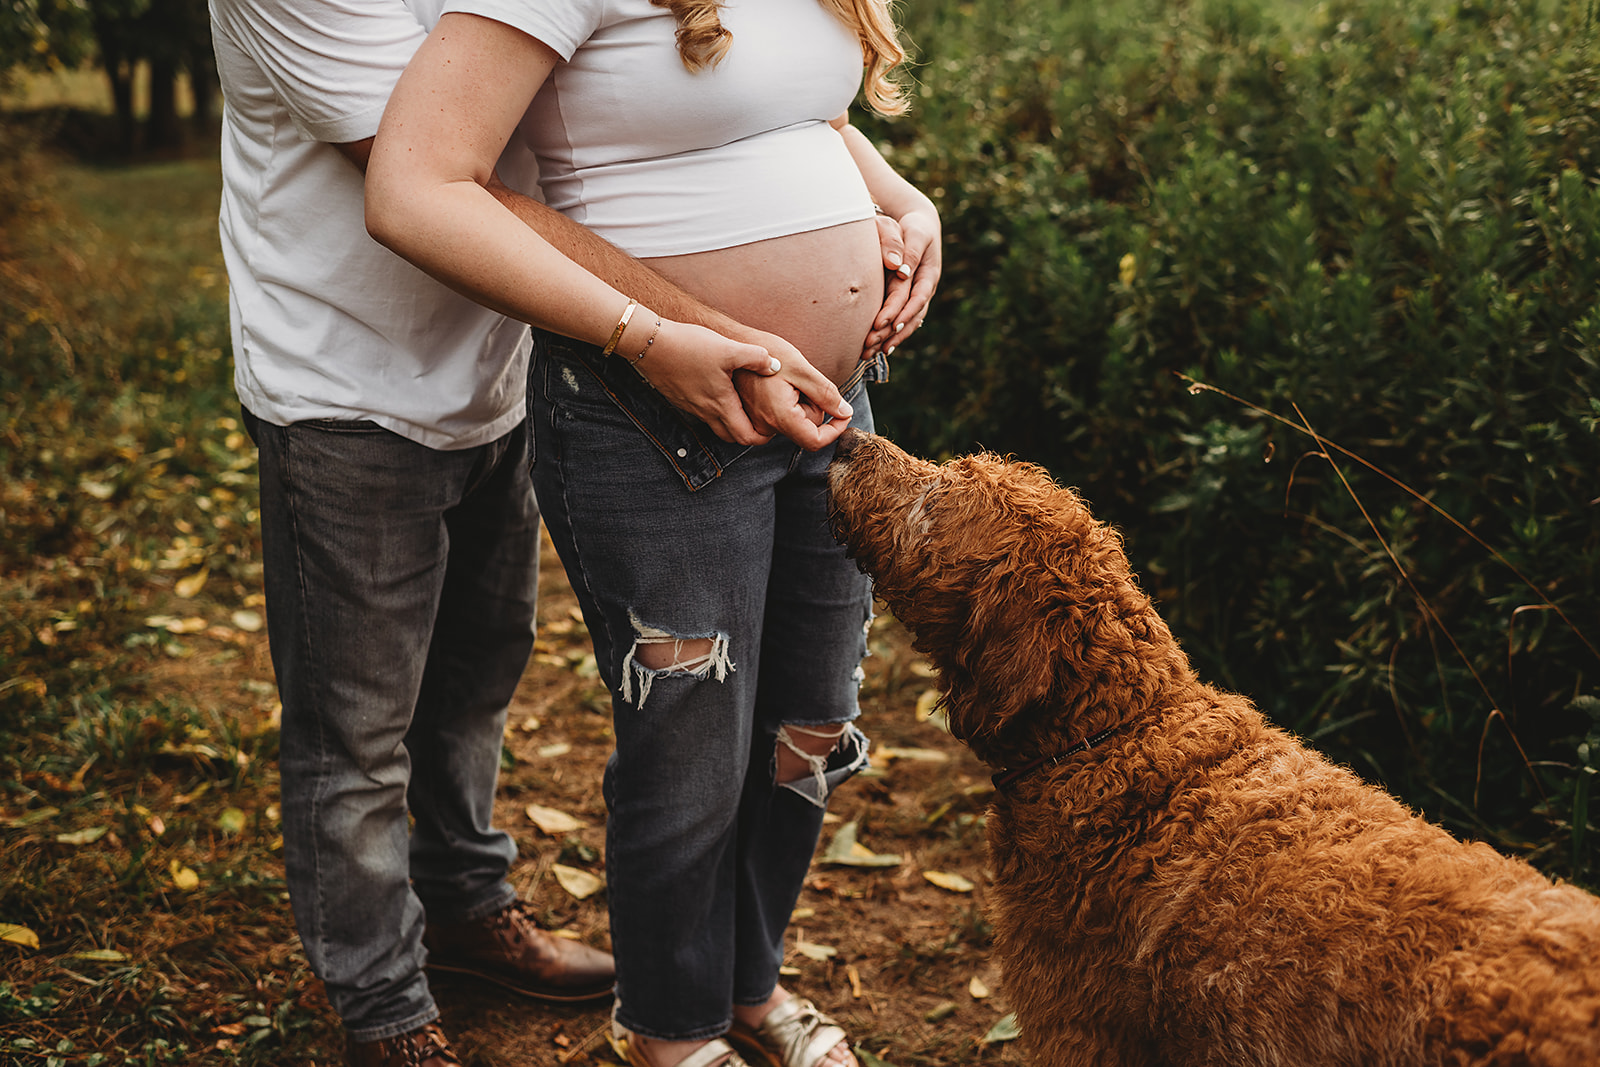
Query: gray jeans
400 585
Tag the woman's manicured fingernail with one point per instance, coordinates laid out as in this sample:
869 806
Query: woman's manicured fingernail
845 410
894 260
773 366
888 351
904 270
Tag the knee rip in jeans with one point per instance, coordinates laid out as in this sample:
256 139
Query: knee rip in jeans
803 754
658 653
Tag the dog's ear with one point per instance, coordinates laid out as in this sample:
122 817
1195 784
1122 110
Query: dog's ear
1006 663
1053 626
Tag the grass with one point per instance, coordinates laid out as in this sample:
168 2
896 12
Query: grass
136 704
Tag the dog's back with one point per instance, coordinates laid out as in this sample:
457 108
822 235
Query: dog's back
1182 903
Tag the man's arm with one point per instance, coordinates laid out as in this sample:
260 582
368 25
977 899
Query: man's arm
357 152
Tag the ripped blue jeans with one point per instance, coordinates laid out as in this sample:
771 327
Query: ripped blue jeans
723 555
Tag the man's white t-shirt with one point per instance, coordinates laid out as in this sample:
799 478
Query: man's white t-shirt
327 323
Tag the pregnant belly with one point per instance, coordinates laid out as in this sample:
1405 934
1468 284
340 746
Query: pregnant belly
817 290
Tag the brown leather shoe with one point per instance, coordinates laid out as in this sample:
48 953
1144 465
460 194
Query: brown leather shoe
509 949
426 1047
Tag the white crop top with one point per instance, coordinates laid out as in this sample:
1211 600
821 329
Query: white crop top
662 162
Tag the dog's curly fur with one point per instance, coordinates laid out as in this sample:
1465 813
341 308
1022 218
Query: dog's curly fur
1199 888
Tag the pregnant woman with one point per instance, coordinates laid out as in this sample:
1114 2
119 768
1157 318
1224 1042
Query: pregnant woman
711 141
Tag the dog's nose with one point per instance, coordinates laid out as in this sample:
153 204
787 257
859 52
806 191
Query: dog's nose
847 441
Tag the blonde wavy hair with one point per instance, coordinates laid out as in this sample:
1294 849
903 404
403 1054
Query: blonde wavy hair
703 40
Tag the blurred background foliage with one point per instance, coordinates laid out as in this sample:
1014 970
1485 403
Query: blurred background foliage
154 56
1304 297
1372 230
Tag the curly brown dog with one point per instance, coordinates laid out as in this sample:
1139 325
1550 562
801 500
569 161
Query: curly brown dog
1175 881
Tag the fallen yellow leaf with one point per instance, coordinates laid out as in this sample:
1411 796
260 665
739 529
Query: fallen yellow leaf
183 877
98 955
977 989
579 883
180 799
83 837
1005 1029
189 586
945 880
846 850
560 748
816 952
920 755
927 702
12 934
551 821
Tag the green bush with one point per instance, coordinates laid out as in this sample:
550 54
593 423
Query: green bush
1373 232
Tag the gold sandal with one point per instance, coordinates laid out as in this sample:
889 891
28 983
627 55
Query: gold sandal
714 1053
794 1034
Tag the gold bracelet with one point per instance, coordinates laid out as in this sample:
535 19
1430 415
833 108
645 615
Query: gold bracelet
645 351
622 324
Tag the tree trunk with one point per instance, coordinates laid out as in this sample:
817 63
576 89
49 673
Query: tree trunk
119 68
203 83
163 131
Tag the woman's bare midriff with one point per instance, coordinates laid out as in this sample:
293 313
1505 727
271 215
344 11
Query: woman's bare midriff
817 290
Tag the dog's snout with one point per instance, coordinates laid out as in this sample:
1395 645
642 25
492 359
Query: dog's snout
847 441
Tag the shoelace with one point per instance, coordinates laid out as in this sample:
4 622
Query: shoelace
432 1046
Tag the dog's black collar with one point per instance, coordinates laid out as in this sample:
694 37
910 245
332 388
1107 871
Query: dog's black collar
1010 776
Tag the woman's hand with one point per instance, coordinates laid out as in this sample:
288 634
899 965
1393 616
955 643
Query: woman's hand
908 230
914 261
